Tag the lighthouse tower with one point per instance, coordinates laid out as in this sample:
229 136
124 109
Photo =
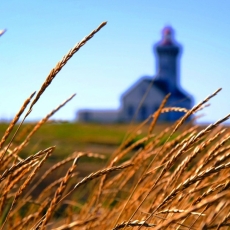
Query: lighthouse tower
167 55
145 96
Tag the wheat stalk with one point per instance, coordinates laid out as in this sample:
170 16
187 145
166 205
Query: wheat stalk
25 184
58 193
76 224
39 124
157 114
14 121
180 211
134 223
212 200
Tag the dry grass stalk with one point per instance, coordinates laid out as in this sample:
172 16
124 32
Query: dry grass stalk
165 224
182 167
187 145
12 181
129 137
196 138
143 176
33 217
174 109
41 209
221 159
157 113
213 153
20 225
3 196
180 211
124 178
24 162
224 221
192 180
134 223
186 184
15 200
165 168
209 192
217 211
14 121
131 147
39 124
75 224
53 168
173 145
98 174
96 198
58 193
48 189
216 226
27 181
193 110
181 147
208 184
60 164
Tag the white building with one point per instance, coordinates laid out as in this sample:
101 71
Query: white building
101 116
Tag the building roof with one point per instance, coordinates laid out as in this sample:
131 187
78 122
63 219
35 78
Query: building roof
162 85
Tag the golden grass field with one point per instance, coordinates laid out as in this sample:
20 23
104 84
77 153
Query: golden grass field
172 177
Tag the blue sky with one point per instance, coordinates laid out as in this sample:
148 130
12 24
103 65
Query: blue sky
39 33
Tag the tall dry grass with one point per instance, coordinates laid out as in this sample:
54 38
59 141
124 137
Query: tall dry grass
167 183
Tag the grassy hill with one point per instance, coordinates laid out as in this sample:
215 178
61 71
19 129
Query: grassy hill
70 137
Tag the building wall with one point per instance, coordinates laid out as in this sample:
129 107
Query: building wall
101 116
132 100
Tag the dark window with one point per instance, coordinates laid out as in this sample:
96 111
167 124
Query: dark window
130 111
143 112
86 116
